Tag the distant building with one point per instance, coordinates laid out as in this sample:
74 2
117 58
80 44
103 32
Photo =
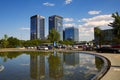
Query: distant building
63 34
107 35
56 22
37 27
71 33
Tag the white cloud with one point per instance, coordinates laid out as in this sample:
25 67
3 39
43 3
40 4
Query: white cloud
25 29
97 23
97 18
101 20
69 25
68 19
94 12
68 1
86 29
48 4
86 34
79 21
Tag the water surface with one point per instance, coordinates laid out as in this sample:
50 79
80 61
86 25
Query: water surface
49 66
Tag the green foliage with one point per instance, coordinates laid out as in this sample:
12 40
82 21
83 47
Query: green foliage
34 42
66 42
116 25
53 35
98 35
54 65
9 55
4 41
98 32
54 61
13 42
5 37
116 40
31 43
99 63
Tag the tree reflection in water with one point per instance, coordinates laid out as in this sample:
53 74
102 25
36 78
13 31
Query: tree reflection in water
37 66
99 63
9 55
55 66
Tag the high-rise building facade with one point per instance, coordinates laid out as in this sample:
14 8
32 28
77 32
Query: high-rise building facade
37 27
71 33
107 35
56 22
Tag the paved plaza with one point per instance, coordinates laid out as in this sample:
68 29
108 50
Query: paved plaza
114 71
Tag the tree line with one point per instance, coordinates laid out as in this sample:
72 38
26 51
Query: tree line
13 42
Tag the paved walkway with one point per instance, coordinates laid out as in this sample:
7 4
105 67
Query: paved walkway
114 71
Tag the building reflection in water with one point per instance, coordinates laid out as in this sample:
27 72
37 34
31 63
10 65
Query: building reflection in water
37 67
71 59
51 66
59 66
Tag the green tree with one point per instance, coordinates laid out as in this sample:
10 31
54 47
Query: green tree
116 25
4 41
5 37
99 63
98 35
55 68
53 35
35 42
67 42
97 31
13 42
27 43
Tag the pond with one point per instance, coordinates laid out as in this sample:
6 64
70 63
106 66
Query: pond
49 66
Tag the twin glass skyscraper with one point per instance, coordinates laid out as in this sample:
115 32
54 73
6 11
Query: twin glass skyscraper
56 22
37 27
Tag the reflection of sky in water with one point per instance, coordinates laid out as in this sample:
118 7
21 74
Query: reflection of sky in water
68 66
85 66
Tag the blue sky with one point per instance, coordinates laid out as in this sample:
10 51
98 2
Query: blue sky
84 14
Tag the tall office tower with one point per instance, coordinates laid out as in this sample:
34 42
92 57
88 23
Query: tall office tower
71 33
56 22
37 27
